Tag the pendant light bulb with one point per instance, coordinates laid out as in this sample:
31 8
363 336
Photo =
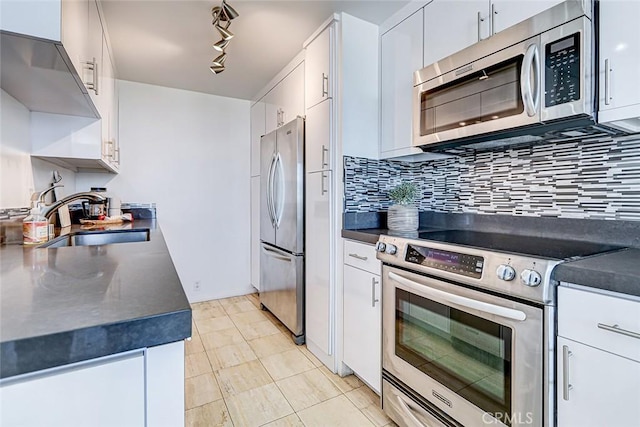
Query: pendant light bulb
224 32
228 13
219 61
219 46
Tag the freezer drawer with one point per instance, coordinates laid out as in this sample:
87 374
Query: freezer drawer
282 287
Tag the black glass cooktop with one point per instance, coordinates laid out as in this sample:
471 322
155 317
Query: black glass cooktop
526 245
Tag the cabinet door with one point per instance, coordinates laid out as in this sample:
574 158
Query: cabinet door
604 387
292 95
452 26
506 13
402 50
107 95
317 148
92 78
272 109
257 130
619 53
106 392
75 29
318 260
318 65
255 232
362 325
33 18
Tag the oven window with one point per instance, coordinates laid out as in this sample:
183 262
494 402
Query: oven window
469 355
483 96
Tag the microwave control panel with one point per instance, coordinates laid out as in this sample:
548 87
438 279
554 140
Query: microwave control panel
562 71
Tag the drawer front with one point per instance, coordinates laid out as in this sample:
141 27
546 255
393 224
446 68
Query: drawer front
362 256
605 322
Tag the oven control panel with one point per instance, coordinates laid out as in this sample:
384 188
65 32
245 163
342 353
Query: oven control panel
454 262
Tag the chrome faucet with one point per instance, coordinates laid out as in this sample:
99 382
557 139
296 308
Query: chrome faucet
48 210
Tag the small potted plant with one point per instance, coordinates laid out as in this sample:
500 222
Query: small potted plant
403 215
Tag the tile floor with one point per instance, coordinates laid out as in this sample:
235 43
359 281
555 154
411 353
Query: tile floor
242 369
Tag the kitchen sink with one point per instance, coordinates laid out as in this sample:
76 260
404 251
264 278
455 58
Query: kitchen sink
98 238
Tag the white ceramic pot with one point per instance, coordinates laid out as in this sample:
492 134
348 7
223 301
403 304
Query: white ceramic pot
402 218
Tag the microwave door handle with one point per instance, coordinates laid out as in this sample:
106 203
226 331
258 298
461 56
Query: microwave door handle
529 97
485 307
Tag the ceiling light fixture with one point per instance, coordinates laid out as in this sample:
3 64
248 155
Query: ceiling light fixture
222 14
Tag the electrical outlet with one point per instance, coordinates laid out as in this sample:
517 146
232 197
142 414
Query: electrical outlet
196 285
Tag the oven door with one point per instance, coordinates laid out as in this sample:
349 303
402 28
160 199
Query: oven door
475 356
494 93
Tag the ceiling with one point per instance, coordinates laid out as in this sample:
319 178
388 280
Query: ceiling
169 42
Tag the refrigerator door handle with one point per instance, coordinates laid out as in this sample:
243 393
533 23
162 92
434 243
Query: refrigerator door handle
270 208
274 253
278 209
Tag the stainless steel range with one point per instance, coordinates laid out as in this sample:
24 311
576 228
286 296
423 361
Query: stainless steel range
468 327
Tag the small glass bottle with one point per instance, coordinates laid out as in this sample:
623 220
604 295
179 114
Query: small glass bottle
35 227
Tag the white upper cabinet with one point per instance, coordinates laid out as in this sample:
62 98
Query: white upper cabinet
450 26
506 13
619 65
32 18
318 69
318 150
401 56
73 142
285 100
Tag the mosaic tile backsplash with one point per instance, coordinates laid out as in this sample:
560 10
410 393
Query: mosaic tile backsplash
591 179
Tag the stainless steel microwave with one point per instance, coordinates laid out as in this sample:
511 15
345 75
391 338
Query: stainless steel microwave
530 79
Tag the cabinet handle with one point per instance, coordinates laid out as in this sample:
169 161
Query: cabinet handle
356 256
480 21
93 66
566 354
374 282
607 82
323 190
325 78
325 150
494 12
618 330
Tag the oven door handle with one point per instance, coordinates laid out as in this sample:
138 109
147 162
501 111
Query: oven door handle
408 408
508 313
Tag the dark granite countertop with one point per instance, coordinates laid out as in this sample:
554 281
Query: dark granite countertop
615 271
59 306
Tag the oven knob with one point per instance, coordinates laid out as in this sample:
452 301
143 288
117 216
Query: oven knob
391 249
380 247
506 272
531 278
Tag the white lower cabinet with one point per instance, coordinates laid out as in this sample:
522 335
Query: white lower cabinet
318 307
602 388
362 327
138 388
598 359
105 392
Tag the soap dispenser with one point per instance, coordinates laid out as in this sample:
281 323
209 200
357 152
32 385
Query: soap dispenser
35 227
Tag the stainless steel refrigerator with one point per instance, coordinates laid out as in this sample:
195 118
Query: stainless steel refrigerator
282 225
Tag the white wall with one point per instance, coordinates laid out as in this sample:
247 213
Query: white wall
20 175
189 153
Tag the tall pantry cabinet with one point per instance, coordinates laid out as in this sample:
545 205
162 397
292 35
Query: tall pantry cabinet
341 105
